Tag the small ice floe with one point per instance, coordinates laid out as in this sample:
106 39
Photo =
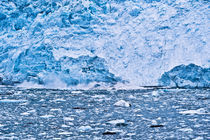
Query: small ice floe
70 123
99 96
186 130
41 134
122 103
8 138
57 139
198 138
68 118
155 124
85 128
64 133
115 122
59 100
131 134
42 100
139 115
12 101
47 116
155 93
65 126
25 114
76 92
31 111
24 103
56 109
198 111
131 97
1 125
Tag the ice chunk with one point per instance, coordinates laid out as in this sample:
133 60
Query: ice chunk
47 116
122 103
115 122
198 111
76 92
85 128
198 138
12 101
155 93
187 76
68 118
25 113
65 133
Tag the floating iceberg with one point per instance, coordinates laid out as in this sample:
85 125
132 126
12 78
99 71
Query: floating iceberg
190 76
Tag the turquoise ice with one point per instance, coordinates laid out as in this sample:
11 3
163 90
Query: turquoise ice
132 42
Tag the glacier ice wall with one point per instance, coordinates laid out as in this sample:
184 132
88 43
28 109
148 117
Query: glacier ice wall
84 41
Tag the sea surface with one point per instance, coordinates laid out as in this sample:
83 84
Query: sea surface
147 113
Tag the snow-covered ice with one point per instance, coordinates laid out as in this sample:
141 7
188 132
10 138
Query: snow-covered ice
122 103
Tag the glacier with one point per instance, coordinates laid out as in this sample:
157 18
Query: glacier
133 42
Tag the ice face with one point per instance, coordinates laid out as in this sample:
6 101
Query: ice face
190 76
100 41
38 65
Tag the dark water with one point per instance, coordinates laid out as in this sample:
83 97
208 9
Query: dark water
64 114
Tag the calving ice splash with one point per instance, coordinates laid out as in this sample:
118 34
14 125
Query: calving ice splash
66 43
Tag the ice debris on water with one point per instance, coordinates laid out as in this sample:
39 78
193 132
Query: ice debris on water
192 112
12 101
155 93
64 133
85 128
76 92
122 103
68 119
47 116
115 122
187 76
